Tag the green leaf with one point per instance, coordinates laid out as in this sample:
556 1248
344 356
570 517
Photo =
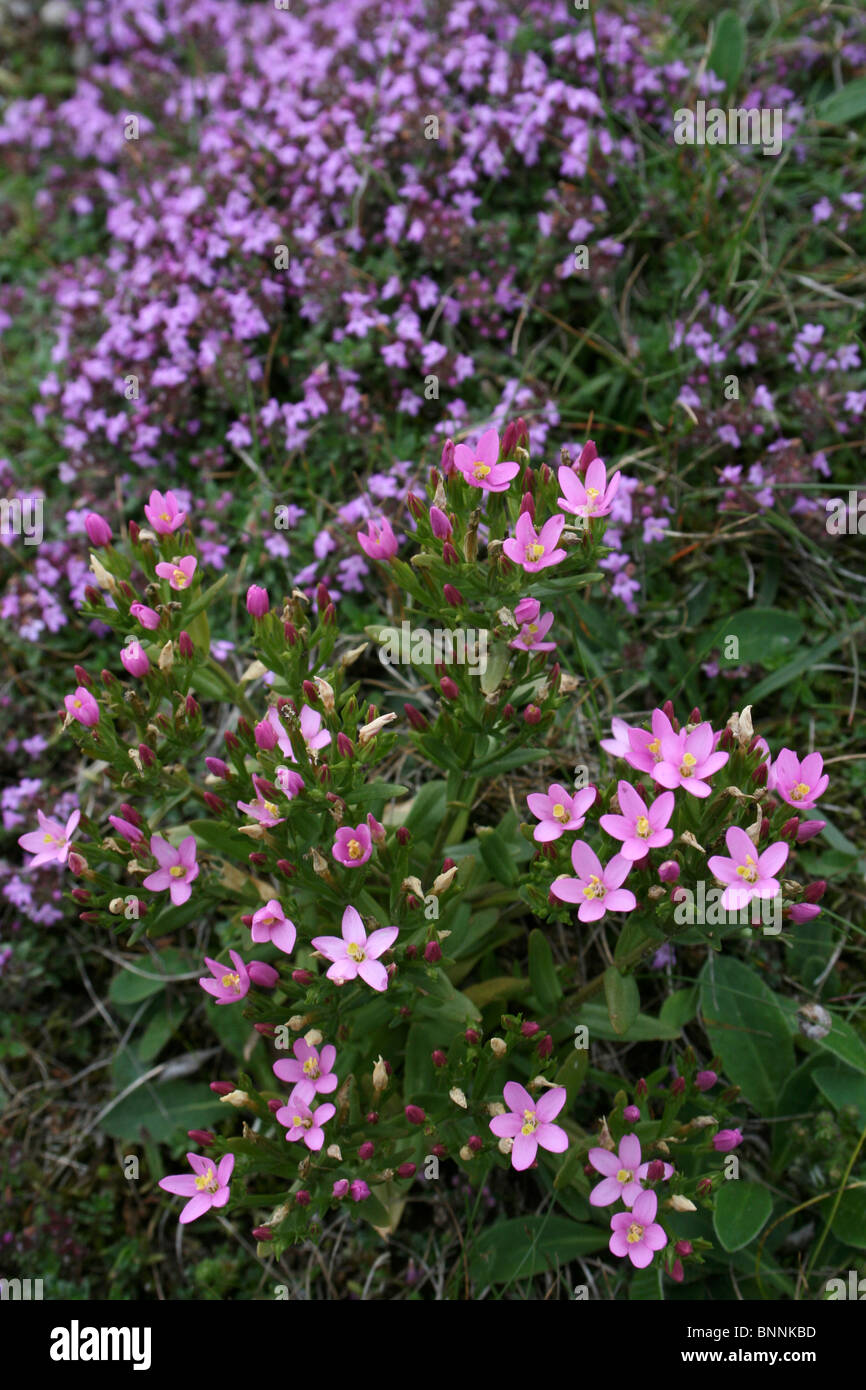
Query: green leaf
163 1111
531 1245
804 662
742 1210
842 1088
680 1007
542 971
643 1029
747 1028
763 635
496 991
573 1072
849 1223
623 1000
498 856
221 838
427 810
728 53
130 986
845 105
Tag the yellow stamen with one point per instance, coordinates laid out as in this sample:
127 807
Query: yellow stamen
655 749
687 764
530 1123
177 871
802 789
232 981
635 1233
624 1176
207 1182
534 552
355 951
595 888
749 870
642 826
355 850
180 579
311 1068
480 470
560 813
270 807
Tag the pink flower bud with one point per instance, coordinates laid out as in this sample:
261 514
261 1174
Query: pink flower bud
82 677
366 1150
532 714
527 505
446 463
201 1136
148 617
684 1247
449 554
258 602
376 829
545 1047
439 1058
372 1116
267 1030
135 659
345 746
727 1139
403 835
475 1143
222 1088
669 871
442 527
677 1273
406 1170
98 530
641 1089
529 1029
415 1115
147 755
416 718
452 596
815 891
262 1233
213 803
432 952
265 976
804 912
705 1080
358 1190
265 735
655 1170
678 1085
340 1188
302 1198
449 688
631 1114
704 1187
217 767
185 646
472 1036
808 829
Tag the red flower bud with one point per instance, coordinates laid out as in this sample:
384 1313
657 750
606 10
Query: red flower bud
406 1170
214 803
432 952
814 892
345 745
366 1150
472 1036
415 1115
201 1136
262 1233
439 1058
532 714
222 1088
449 688
451 595
185 646
475 1143
416 718
303 977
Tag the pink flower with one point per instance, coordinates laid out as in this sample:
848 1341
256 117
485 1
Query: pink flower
179 571
532 549
479 466
618 746
636 1233
301 1122
135 659
596 889
359 1190
177 868
352 848
798 783
314 735
264 811
687 760
559 811
356 953
379 541
258 602
270 923
227 986
529 1123
311 1066
640 827
98 530
531 636
82 706
592 496
148 617
164 513
748 873
50 843
620 1173
207 1185
727 1139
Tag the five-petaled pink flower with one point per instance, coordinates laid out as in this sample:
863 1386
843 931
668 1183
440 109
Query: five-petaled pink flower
798 783
529 1123
356 953
636 1233
82 706
300 1121
178 571
309 1065
313 734
640 827
50 843
379 541
352 847
747 873
164 513
207 1185
264 811
597 890
270 923
590 497
533 627
558 811
177 868
479 465
532 549
687 760
227 986
620 1173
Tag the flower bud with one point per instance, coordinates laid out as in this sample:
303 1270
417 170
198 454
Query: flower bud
814 892
439 1058
498 1047
222 1088
184 646
706 1080
98 530
262 1233
532 714
669 871
726 1140
432 952
416 718
265 735
406 1170
380 1075
265 976
809 828
545 1047
258 602
631 1114
414 1114
201 1136
449 688
529 1029
684 1247
366 1150
213 803
340 1188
